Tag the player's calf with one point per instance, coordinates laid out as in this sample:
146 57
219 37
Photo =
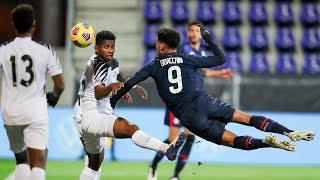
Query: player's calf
22 168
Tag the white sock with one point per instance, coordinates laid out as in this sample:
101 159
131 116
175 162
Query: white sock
22 171
143 140
37 174
89 174
99 174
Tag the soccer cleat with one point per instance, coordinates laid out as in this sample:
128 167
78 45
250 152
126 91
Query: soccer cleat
152 175
272 141
306 135
174 178
175 146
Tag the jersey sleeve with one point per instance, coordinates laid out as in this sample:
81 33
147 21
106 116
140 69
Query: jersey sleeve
141 75
203 62
100 73
54 66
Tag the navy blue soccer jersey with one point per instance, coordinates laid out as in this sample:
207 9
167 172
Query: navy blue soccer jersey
175 75
186 49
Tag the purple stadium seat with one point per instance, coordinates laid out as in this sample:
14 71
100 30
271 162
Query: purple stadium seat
309 14
258 14
153 12
149 56
285 40
231 13
179 13
205 12
283 14
286 63
231 38
259 63
310 40
258 40
311 63
150 35
182 29
233 61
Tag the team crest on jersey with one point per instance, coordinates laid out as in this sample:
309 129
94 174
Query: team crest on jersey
75 31
86 36
85 25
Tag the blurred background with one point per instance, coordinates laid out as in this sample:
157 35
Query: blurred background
273 47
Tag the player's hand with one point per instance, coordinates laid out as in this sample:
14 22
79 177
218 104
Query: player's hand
205 34
115 87
127 98
51 99
226 73
141 92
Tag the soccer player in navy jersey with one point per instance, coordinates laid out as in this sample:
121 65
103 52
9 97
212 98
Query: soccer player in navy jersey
192 47
205 116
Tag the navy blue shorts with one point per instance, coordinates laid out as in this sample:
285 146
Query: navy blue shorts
170 120
207 117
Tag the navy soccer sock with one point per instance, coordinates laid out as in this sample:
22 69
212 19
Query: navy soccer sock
184 155
157 158
248 143
267 125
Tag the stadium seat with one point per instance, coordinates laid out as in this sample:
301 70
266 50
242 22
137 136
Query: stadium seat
153 12
150 35
285 40
182 29
149 56
258 40
286 63
179 13
259 63
233 61
231 13
283 14
310 40
309 14
205 12
311 63
258 14
231 38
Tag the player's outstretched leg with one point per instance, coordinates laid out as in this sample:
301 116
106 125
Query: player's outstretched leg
183 155
249 143
22 168
267 125
123 129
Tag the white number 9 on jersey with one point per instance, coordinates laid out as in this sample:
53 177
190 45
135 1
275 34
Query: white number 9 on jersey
177 81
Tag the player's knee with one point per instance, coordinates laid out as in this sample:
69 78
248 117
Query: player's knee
21 158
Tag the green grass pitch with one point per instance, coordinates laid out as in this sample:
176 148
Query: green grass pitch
69 170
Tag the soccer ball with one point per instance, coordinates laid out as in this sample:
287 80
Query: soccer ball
82 35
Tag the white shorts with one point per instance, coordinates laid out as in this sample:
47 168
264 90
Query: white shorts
94 126
34 135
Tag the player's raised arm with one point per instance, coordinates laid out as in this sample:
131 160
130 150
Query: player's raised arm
139 90
209 61
141 75
55 70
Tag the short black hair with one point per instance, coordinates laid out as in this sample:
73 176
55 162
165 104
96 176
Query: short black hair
169 37
194 23
104 35
23 17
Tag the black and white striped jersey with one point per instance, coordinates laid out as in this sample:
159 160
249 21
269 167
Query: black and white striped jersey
97 72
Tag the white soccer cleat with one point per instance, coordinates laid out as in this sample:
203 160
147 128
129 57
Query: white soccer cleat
151 175
306 135
272 141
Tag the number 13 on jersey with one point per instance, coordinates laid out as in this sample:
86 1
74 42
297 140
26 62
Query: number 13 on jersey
175 80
